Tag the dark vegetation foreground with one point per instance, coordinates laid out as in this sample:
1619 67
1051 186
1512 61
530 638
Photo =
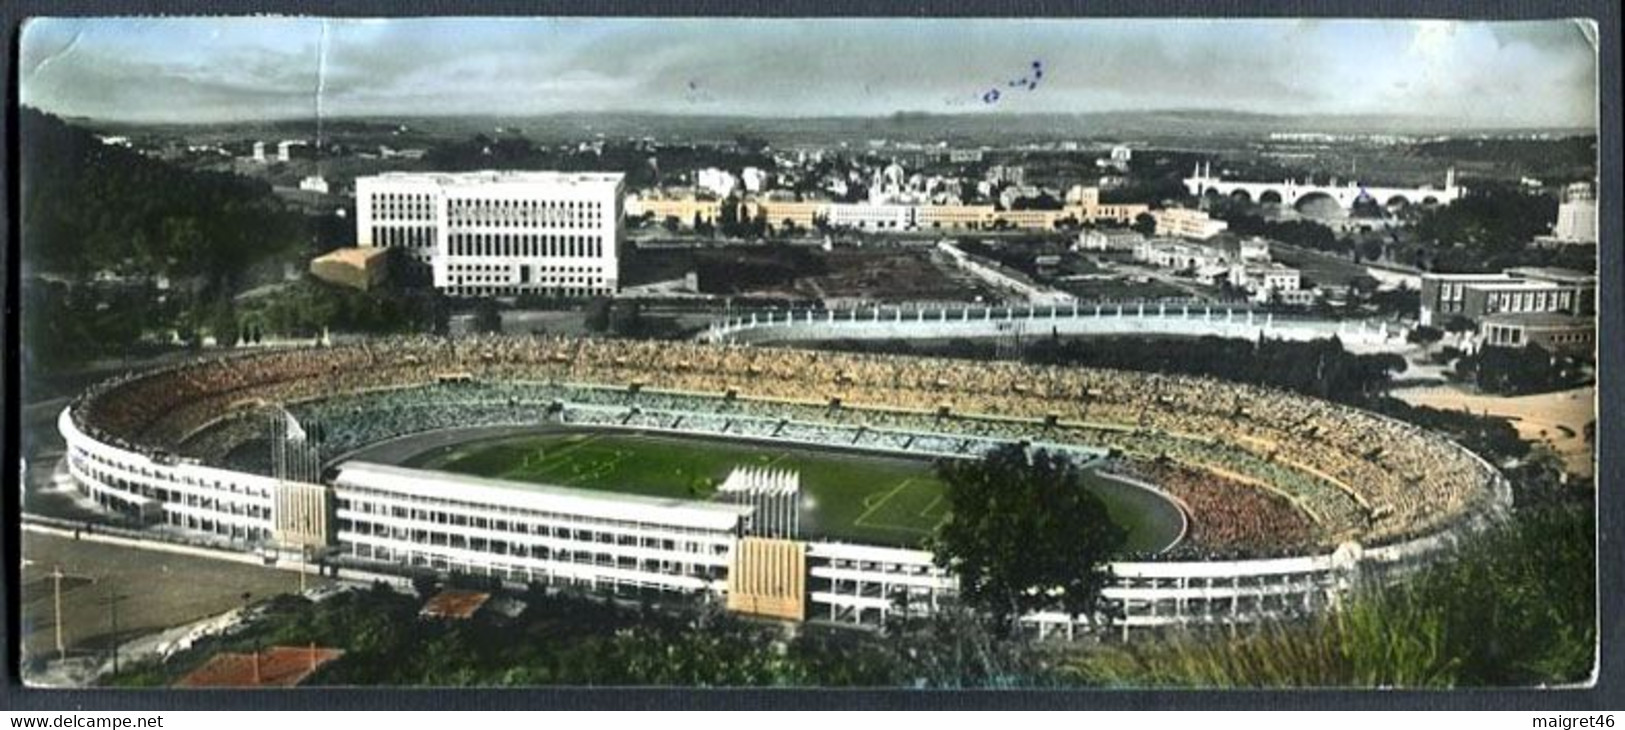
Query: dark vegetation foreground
1514 606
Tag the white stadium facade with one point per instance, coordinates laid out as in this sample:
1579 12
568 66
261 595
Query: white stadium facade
151 446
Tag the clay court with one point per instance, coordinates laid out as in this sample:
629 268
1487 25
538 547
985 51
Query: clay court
277 666
1557 419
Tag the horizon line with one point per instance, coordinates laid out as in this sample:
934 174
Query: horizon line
1443 122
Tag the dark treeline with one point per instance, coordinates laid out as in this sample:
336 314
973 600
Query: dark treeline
1554 162
116 243
579 640
1490 218
88 207
1521 370
1513 606
1307 234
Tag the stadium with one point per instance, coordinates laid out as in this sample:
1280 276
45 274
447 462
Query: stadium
793 484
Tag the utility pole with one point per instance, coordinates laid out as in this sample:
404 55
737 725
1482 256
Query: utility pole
112 606
56 580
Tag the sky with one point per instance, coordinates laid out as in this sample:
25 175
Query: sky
1479 73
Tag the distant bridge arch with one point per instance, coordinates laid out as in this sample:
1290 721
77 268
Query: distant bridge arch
1203 182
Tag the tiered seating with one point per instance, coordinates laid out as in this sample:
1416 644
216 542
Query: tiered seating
1356 474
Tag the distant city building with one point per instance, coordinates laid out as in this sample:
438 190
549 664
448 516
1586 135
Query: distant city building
720 183
1007 174
1119 159
361 268
1521 290
284 149
685 208
1187 223
909 209
388 153
1086 196
1576 215
1179 255
964 156
872 217
1251 249
259 151
500 233
314 184
1265 281
803 214
755 179
1108 239
1553 332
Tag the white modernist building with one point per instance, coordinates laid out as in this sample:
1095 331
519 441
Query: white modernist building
1576 216
527 532
500 233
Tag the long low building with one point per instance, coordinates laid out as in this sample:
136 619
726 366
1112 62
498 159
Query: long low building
883 217
532 533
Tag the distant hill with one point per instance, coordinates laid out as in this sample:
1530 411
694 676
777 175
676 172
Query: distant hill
915 126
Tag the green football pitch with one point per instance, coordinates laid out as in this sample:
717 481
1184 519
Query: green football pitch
849 496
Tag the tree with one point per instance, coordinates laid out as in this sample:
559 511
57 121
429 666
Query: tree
1145 224
1459 324
487 317
223 324
1023 534
1425 335
597 317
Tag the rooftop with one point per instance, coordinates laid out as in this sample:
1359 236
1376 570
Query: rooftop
1517 285
1491 276
501 177
354 256
1548 273
1540 320
454 604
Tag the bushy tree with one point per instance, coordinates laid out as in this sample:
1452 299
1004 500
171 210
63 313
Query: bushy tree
1024 534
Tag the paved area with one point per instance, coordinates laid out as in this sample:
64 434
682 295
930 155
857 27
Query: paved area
1556 419
152 590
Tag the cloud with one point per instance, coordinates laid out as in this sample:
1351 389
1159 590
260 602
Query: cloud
1504 72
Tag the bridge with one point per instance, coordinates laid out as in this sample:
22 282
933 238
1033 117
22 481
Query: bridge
1295 192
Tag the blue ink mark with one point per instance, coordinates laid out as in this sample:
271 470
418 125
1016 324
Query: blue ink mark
1029 82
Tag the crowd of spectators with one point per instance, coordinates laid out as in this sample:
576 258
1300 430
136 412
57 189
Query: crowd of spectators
1227 517
1355 474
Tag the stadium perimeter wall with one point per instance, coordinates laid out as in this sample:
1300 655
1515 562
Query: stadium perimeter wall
847 583
1149 319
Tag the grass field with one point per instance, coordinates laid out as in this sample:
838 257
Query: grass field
853 497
